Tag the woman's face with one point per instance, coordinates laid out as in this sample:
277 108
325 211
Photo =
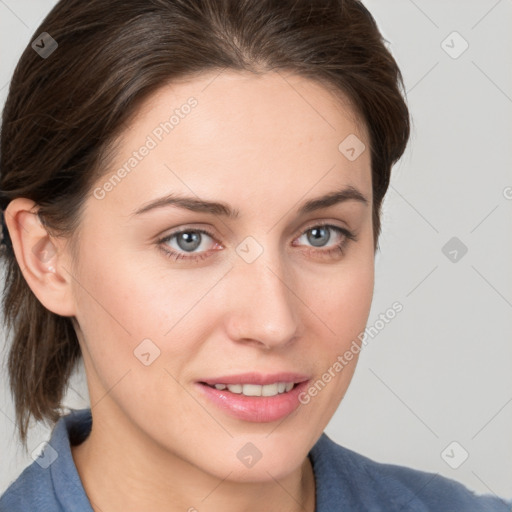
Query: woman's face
263 291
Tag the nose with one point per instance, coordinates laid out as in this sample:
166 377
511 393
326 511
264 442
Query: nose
263 302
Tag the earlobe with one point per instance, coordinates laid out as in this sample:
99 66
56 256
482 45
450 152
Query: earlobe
41 257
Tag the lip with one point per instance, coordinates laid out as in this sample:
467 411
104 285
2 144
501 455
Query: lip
256 409
257 378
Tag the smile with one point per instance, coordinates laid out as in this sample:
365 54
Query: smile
255 389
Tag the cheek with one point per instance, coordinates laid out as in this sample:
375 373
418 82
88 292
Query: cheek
113 313
345 299
117 296
122 302
344 305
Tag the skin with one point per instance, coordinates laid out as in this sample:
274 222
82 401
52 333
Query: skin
264 145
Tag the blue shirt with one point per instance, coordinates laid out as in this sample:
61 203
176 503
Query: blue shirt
345 481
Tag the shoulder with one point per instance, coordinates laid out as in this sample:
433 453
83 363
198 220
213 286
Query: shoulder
52 482
347 477
32 490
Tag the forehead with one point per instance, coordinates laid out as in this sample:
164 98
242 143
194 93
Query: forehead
252 104
239 134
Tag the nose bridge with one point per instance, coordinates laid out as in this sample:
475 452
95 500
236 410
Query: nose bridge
264 305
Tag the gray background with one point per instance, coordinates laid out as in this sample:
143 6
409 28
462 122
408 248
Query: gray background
441 370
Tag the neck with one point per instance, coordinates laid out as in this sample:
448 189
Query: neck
128 472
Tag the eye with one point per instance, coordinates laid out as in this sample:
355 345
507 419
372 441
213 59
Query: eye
186 241
319 235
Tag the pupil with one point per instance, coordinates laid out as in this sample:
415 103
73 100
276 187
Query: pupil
321 239
189 240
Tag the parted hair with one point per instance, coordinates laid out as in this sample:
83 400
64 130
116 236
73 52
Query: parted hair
63 114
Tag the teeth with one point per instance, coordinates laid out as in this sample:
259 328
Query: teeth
256 389
235 388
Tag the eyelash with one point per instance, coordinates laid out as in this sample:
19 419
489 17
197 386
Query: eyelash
338 248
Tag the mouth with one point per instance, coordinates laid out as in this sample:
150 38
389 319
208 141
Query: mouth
254 397
254 390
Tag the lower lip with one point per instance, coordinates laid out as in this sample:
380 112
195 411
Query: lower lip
258 409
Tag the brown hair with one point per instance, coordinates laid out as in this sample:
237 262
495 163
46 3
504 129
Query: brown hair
64 112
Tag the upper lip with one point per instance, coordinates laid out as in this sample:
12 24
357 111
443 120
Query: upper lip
256 378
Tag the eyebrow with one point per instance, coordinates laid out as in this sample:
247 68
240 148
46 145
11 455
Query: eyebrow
222 209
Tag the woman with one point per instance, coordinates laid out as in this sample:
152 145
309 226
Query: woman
262 134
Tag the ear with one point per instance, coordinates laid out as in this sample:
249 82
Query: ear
43 259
